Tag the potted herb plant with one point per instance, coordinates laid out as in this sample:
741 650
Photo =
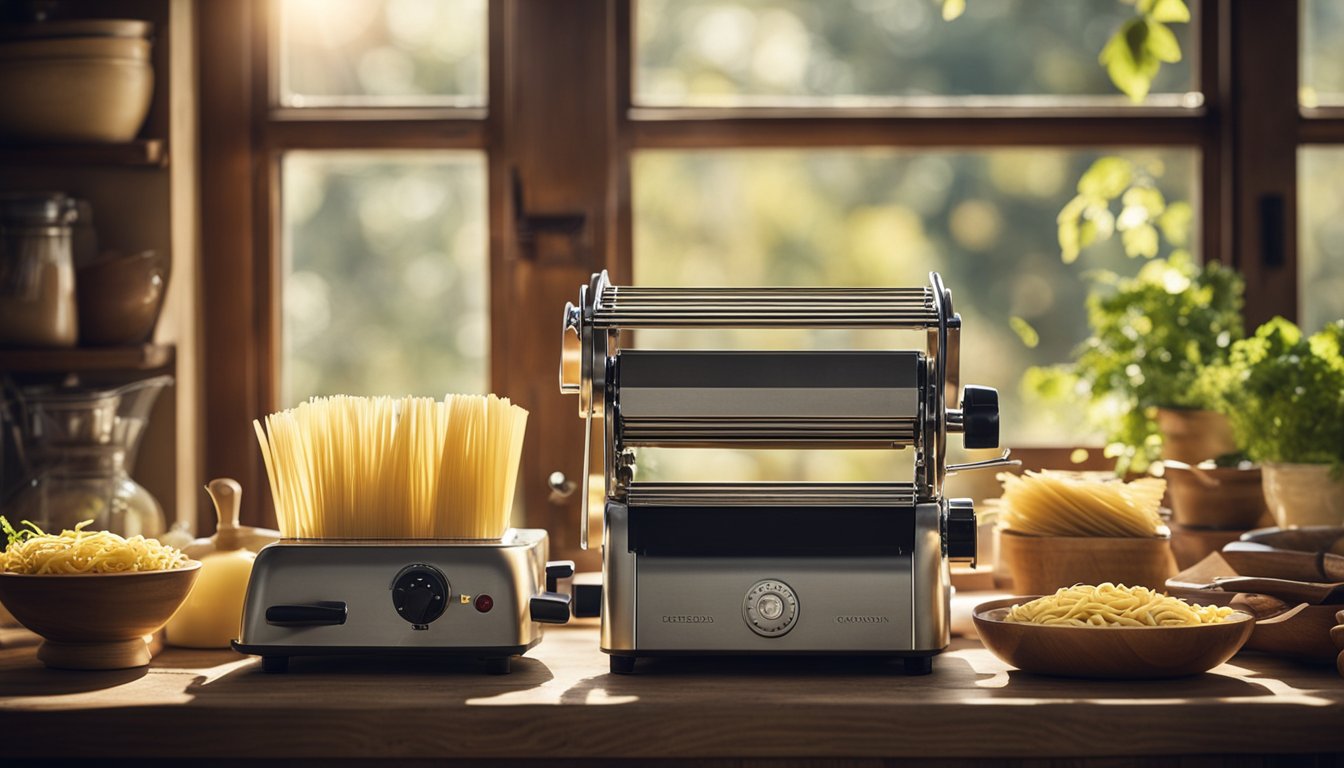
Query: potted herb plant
1283 393
1142 367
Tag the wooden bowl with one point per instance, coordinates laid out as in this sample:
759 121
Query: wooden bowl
96 620
1225 498
1041 564
1130 653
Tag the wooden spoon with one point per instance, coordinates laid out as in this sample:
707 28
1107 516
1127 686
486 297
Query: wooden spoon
1314 592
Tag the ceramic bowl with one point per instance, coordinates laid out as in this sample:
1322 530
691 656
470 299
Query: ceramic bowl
119 299
1132 653
99 100
96 620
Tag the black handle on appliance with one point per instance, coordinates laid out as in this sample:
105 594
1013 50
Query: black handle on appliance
550 608
557 570
319 614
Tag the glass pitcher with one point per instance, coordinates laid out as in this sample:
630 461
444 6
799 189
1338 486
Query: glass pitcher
79 446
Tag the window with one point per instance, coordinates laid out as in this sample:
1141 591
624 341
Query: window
690 141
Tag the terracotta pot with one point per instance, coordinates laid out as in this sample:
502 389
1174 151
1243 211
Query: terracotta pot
1222 498
1303 494
1042 564
1192 436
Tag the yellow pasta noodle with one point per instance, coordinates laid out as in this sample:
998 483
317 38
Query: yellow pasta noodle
1109 605
1052 503
390 468
33 551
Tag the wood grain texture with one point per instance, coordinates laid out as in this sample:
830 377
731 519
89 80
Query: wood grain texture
560 703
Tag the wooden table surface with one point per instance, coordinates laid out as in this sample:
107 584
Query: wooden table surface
561 703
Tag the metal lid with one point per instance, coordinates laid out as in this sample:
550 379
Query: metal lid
37 209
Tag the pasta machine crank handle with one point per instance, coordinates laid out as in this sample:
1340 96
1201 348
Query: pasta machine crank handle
1002 461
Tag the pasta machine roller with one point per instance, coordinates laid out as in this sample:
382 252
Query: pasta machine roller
774 567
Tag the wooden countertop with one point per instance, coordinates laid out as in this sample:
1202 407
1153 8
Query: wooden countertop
561 703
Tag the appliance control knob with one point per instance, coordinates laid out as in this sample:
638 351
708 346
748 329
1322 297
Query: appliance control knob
960 530
420 594
980 417
770 608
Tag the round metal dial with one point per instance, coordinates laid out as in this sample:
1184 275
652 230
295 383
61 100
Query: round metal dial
770 608
420 593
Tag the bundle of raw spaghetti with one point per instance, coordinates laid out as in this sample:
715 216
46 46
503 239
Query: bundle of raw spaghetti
34 551
387 468
1108 605
1053 503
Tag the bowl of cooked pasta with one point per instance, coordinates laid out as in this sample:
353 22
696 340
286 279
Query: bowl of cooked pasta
93 596
1110 631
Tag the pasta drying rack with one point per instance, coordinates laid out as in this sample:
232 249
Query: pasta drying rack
774 568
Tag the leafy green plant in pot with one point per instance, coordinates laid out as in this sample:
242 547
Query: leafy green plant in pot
1284 395
1141 368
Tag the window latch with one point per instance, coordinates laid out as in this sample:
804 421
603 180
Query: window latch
528 225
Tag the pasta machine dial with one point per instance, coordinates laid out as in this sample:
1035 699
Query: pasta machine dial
770 608
420 594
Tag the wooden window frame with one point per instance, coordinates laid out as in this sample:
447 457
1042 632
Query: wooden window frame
571 148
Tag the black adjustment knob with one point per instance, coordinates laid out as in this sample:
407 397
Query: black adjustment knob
980 417
420 594
959 532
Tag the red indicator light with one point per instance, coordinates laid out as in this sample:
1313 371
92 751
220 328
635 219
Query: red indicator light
484 603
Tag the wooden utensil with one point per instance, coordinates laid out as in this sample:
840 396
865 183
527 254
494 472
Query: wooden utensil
1314 592
1254 558
1109 652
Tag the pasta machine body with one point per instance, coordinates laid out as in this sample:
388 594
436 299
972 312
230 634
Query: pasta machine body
485 599
774 567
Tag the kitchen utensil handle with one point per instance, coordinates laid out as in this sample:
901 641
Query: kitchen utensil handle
319 614
557 570
550 608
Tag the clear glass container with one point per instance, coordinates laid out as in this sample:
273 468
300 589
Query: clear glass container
79 446
37 271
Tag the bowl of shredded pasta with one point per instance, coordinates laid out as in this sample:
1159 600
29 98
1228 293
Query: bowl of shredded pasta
93 596
1111 631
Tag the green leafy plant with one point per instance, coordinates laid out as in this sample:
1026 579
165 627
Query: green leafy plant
1284 393
1114 195
1135 52
1153 336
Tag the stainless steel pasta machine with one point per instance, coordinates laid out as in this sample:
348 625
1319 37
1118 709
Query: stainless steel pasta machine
774 567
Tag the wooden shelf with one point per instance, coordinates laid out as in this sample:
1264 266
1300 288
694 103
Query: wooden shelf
150 153
141 357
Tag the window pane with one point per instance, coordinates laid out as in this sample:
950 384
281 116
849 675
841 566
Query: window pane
382 53
1321 201
1322 64
719 53
385 274
985 219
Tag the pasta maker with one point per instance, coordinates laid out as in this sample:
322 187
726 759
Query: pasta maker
480 598
706 568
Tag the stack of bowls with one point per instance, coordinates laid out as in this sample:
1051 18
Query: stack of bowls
75 80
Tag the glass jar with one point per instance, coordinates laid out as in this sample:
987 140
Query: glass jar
78 447
37 271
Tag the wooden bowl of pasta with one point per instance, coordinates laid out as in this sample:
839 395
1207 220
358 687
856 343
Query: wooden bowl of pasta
1109 652
96 620
93 596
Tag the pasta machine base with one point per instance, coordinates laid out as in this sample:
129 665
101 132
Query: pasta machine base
485 599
